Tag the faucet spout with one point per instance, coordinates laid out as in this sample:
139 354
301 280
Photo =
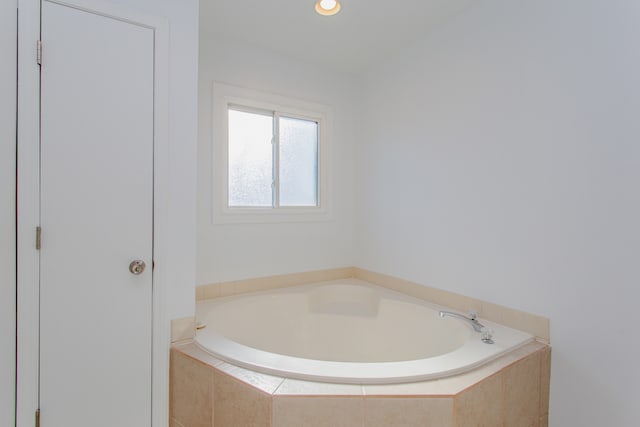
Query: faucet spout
472 320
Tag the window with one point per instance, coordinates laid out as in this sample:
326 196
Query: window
273 159
270 157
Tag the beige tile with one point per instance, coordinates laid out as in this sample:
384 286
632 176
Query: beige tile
323 275
216 290
536 325
458 383
542 329
544 420
432 388
207 292
393 283
238 405
191 391
317 411
533 324
522 392
291 387
192 350
263 382
545 379
481 405
493 312
247 286
458 302
434 295
528 350
201 292
408 412
527 322
183 329
453 385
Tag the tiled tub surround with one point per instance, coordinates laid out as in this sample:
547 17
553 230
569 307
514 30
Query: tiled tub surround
510 391
345 331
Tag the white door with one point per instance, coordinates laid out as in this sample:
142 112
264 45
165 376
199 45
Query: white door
96 218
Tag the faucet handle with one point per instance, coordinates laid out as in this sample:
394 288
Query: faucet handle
487 335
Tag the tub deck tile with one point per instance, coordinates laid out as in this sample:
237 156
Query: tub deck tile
293 387
263 382
195 352
416 389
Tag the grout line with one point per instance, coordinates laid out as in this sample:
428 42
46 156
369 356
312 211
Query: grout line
278 387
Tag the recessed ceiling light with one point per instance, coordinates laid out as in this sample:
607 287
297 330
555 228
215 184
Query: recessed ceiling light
327 7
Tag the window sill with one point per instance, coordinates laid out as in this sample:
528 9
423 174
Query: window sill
269 215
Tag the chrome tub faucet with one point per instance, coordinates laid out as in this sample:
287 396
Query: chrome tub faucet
487 333
472 319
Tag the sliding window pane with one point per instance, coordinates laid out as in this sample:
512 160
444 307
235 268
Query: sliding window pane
298 162
250 159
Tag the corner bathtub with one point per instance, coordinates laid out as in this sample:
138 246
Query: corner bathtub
346 331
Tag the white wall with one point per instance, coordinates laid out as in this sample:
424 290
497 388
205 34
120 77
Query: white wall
500 158
237 251
8 34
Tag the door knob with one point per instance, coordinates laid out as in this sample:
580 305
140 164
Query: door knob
137 267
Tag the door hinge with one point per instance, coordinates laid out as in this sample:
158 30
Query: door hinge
39 52
38 237
37 417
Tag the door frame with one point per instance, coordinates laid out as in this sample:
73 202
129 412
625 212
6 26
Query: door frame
28 196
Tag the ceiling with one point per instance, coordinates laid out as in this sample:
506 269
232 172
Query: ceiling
362 34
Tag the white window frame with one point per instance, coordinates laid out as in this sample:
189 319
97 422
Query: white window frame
225 96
